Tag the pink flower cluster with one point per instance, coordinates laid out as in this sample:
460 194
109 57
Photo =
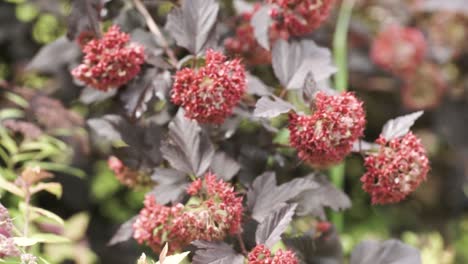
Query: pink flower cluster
7 245
210 93
244 44
298 17
396 169
327 136
262 255
110 62
400 50
214 211
126 175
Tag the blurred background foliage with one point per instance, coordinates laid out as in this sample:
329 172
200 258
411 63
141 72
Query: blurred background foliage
434 219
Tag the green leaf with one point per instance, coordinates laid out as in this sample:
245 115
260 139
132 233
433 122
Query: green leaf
175 259
7 141
10 187
49 166
43 212
39 238
11 113
50 238
51 187
75 226
17 99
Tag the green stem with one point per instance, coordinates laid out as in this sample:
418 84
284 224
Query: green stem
341 84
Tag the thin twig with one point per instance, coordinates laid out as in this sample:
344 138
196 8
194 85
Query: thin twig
242 245
153 27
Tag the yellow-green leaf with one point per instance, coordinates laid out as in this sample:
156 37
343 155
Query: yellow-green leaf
44 213
175 259
10 187
51 187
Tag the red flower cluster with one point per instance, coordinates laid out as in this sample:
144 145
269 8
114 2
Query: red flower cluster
220 203
126 175
7 245
327 136
109 62
213 212
244 44
424 89
396 170
400 50
154 225
210 93
262 255
298 17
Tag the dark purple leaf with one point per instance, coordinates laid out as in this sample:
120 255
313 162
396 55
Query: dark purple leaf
313 201
224 166
324 249
143 141
400 126
215 253
141 90
269 231
47 61
187 148
91 95
124 233
387 252
261 22
271 106
311 87
84 17
256 86
193 23
171 185
264 196
458 6
293 61
107 127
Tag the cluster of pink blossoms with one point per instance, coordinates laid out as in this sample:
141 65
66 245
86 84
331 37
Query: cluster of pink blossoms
126 175
244 44
327 136
400 50
262 255
7 245
298 17
210 93
396 169
110 62
214 211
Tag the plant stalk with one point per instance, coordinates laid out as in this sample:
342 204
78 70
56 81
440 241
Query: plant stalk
341 84
153 27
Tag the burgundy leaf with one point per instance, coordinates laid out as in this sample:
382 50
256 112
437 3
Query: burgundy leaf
193 24
84 17
261 22
272 106
313 201
400 126
224 166
269 231
141 90
256 86
264 195
171 185
215 253
47 61
124 233
389 251
187 148
323 249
